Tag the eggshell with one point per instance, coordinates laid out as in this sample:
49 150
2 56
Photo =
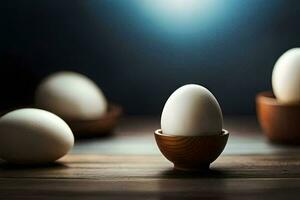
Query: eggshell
33 136
190 111
286 77
71 96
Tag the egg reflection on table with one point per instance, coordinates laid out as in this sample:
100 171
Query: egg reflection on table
33 136
192 110
71 96
286 77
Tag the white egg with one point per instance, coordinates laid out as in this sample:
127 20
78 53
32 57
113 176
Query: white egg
286 77
71 96
33 136
190 111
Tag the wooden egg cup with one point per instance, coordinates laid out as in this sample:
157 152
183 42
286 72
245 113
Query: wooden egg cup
191 153
280 122
98 127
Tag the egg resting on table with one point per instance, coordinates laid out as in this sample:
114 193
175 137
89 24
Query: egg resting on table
191 110
71 96
33 136
286 77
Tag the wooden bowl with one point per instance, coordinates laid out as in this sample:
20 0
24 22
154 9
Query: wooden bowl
280 122
191 153
99 127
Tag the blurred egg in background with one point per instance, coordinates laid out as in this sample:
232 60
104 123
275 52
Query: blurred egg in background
286 77
72 96
278 111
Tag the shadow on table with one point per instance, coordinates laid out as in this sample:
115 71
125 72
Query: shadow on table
204 184
87 138
207 173
9 166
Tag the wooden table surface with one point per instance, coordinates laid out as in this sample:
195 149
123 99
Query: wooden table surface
130 166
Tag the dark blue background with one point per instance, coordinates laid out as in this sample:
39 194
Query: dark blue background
136 62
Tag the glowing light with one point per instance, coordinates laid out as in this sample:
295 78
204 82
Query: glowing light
178 9
179 15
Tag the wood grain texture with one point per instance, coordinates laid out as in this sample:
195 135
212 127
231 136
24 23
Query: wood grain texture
109 175
113 177
191 153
